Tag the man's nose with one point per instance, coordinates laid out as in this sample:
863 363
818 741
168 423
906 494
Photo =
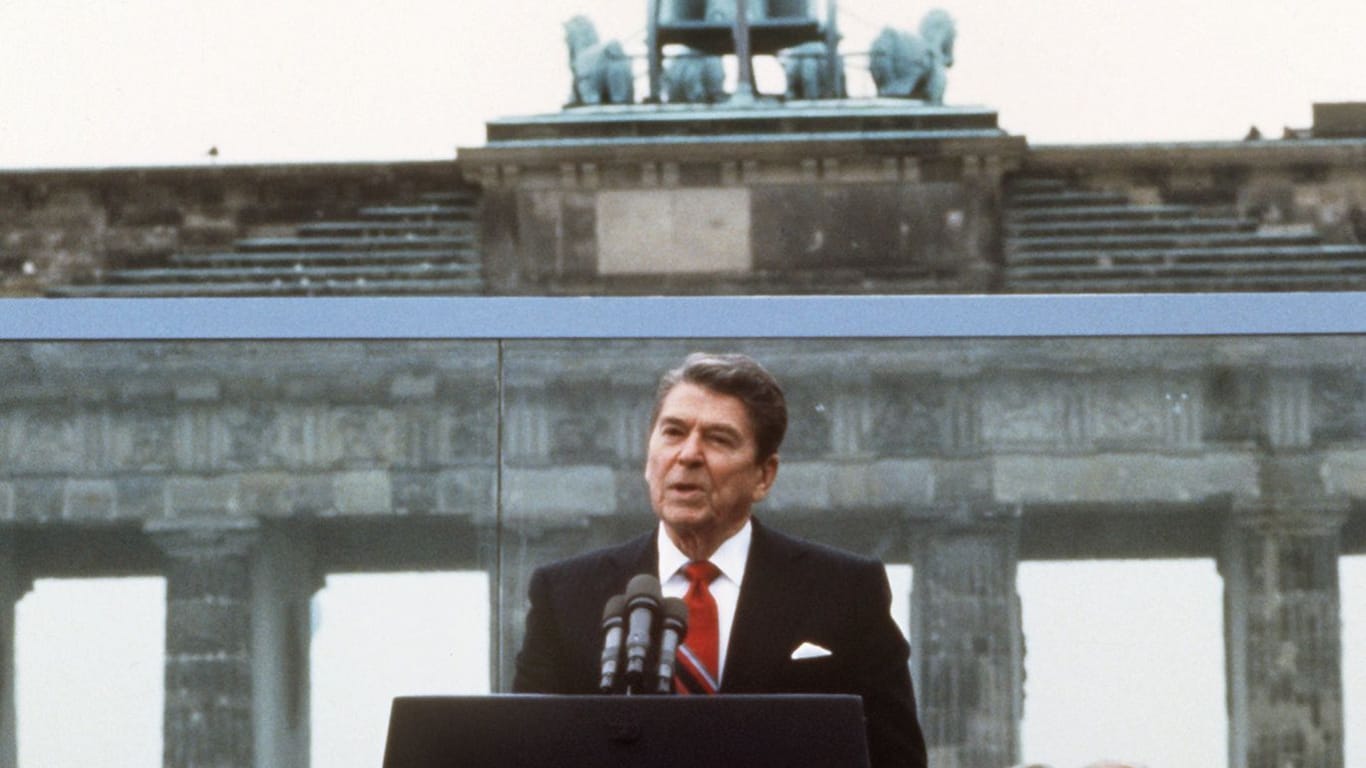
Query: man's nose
690 452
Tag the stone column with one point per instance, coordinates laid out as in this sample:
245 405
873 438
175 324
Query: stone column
13 585
284 580
209 721
968 646
1283 635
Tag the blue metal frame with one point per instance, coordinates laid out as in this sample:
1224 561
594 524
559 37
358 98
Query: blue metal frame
685 317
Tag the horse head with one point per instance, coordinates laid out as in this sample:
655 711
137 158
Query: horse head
580 33
938 30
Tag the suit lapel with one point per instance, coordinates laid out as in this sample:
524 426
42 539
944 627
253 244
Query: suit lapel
770 604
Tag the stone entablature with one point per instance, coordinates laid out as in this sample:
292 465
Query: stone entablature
108 432
754 204
826 197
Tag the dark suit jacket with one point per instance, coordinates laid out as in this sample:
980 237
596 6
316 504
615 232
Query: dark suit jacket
793 591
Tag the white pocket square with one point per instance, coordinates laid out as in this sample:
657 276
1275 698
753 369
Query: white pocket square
809 651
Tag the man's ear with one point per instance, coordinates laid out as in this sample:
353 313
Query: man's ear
769 468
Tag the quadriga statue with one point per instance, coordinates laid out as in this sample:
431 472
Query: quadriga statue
693 77
807 67
602 70
914 66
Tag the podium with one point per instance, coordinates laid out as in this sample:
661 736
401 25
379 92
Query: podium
636 731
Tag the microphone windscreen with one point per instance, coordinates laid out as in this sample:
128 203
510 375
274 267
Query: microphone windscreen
643 585
614 609
676 609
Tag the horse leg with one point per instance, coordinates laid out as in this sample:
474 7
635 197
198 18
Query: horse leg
590 92
935 84
620 83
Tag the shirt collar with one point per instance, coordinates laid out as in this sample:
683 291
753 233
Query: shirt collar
730 557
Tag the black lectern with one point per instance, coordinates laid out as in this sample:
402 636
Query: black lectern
636 731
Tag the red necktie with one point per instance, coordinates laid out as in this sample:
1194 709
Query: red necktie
698 656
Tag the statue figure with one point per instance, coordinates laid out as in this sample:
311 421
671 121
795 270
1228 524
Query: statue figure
602 70
914 66
808 72
694 78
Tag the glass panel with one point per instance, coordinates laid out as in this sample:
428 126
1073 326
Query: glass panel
960 456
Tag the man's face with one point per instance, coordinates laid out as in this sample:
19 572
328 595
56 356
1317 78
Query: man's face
701 466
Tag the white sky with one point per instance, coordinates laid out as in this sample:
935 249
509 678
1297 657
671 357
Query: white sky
95 83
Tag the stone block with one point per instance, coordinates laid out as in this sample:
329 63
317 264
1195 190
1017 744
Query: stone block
38 499
1340 120
414 493
274 494
203 568
633 495
206 496
141 497
895 483
200 390
7 501
673 231
470 490
1343 473
89 500
207 626
561 492
820 485
367 492
1123 478
412 387
352 436
800 486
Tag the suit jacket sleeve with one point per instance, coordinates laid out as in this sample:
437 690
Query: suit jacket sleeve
883 678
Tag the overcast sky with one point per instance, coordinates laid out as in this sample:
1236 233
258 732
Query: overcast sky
94 83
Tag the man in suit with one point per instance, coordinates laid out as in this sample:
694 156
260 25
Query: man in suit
787 616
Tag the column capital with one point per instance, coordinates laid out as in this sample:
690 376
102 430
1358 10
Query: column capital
1306 515
200 537
966 516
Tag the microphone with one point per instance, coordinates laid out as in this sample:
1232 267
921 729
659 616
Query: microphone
675 628
613 625
642 603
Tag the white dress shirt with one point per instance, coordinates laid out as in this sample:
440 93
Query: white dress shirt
730 558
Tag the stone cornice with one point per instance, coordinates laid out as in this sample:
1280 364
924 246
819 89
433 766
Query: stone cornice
1198 156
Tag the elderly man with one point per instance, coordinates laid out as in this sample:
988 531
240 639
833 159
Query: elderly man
768 613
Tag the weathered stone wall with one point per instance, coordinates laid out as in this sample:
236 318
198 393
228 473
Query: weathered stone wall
1311 185
878 197
791 220
109 432
63 224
